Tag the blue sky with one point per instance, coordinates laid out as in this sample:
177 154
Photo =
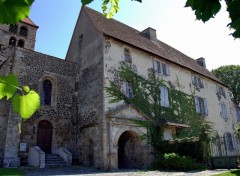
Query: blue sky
175 26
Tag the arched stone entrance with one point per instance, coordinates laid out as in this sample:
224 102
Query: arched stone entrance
129 151
44 136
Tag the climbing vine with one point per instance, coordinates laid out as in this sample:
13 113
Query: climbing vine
147 98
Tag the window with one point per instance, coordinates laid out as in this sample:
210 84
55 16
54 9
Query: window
12 41
197 82
20 43
164 100
128 89
47 92
228 141
23 31
127 55
223 112
201 106
13 28
80 42
237 109
220 91
161 68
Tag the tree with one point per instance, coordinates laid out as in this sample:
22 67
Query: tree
230 76
12 11
146 96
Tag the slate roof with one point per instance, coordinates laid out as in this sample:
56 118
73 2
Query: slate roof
28 21
129 35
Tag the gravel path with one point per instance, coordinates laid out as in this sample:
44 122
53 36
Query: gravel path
78 170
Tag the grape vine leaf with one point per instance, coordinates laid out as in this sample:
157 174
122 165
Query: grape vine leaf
233 7
204 9
13 11
26 104
8 86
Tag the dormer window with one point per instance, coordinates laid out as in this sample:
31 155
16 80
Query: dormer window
197 82
127 55
12 41
20 43
23 31
161 68
13 28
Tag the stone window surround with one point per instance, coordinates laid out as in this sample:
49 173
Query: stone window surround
54 89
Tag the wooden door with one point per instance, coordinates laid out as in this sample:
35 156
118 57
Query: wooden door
44 136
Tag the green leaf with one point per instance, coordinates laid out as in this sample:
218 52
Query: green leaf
27 104
204 9
12 11
112 10
26 89
8 86
233 7
85 2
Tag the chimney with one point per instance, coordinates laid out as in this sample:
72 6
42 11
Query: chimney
149 33
201 61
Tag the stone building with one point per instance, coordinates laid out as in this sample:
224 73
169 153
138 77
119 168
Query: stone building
76 114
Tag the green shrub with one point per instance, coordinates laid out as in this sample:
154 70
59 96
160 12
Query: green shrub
173 161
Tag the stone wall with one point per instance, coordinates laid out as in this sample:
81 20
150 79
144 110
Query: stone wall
86 49
32 68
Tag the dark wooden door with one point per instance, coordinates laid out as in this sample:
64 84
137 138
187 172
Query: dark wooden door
44 136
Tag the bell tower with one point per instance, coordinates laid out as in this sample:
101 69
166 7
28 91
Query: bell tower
22 34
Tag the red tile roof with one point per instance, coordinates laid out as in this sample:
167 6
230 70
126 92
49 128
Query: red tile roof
28 21
127 34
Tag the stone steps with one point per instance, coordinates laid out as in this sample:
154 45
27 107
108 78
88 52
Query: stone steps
53 160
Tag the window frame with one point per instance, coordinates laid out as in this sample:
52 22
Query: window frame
197 82
161 68
127 55
201 106
164 96
23 31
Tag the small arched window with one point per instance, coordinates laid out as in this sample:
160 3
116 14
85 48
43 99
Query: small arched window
20 43
23 31
12 41
47 92
13 28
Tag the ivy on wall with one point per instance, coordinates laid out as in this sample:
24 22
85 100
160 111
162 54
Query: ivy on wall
147 98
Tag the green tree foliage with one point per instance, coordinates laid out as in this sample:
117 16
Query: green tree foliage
230 76
24 101
12 11
147 98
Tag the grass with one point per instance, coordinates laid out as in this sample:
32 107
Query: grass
11 171
229 173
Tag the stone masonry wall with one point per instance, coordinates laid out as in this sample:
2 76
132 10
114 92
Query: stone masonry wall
32 68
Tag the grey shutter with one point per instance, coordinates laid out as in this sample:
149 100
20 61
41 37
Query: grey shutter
197 104
166 97
162 96
237 109
154 65
193 80
217 89
167 70
158 67
201 83
205 107
223 92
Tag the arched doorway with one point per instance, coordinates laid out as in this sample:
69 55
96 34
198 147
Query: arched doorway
44 136
129 151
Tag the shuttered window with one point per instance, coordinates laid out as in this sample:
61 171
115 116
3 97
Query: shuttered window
164 99
223 112
197 82
127 55
220 91
161 68
237 109
127 88
201 106
228 141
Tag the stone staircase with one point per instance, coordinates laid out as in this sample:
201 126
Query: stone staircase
54 160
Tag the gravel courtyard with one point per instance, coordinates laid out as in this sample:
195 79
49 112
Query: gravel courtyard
78 170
